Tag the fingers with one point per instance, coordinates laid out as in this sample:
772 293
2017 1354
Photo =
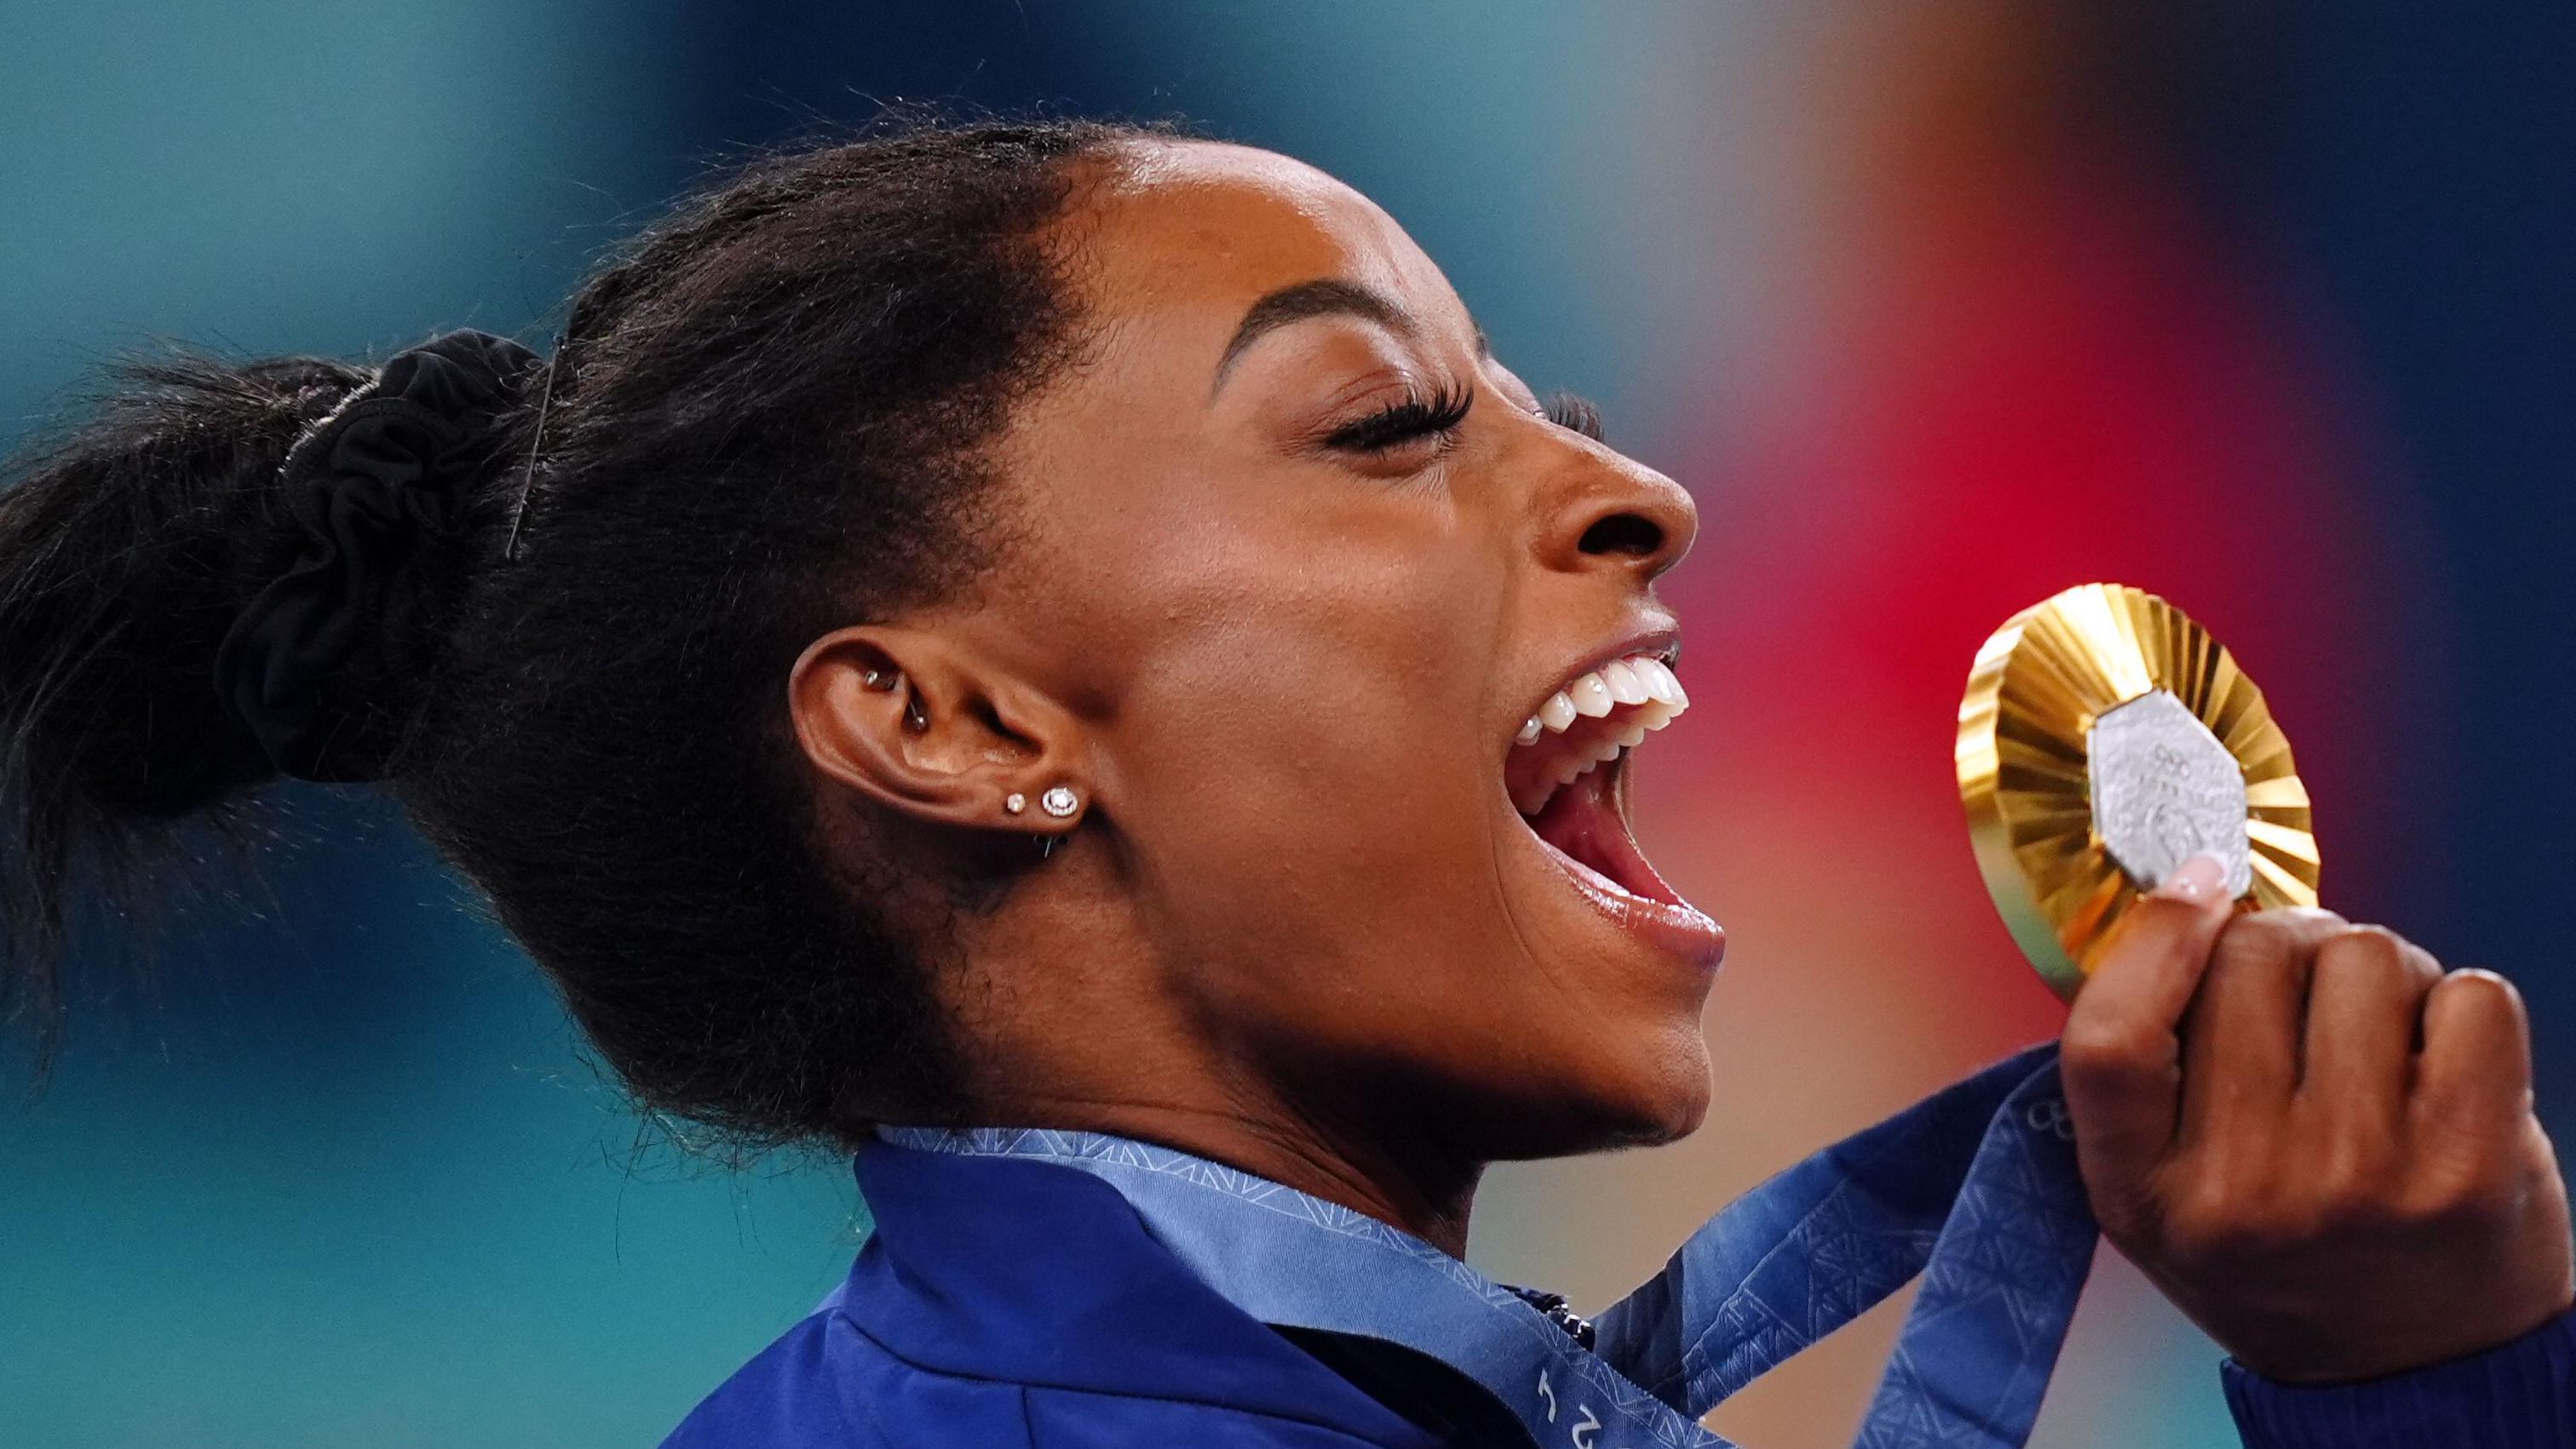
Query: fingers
2120 1058
2476 1072
2365 1005
2240 1055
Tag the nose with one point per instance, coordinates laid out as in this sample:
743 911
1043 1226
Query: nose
1609 511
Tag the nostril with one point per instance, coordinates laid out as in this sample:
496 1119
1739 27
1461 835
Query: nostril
1628 533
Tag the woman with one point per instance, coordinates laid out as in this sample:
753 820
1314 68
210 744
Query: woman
1069 627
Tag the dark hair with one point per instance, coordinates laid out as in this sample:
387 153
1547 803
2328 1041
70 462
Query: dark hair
765 419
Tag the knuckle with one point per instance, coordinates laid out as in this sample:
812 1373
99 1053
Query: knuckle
2357 1200
2274 939
2287 924
2254 934
2460 1122
2372 948
2110 1055
2462 1200
2469 1176
2358 1177
2217 1222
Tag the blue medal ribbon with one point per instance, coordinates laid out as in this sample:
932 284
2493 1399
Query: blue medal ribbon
1974 1188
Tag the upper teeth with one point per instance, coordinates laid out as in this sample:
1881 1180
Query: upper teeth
1644 685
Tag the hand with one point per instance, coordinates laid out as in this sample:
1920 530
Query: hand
2319 1145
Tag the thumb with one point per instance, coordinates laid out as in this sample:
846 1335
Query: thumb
2121 1055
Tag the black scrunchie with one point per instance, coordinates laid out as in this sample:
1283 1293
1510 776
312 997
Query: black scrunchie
375 487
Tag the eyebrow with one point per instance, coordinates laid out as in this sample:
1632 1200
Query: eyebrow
1323 297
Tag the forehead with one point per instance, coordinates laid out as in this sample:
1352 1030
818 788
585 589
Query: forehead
1196 231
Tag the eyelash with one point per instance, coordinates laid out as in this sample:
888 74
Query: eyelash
1439 415
1391 427
1576 415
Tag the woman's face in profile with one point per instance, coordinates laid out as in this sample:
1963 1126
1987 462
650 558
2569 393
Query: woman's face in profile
1305 560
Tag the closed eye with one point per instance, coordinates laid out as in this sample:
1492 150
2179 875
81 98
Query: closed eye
1576 414
1436 416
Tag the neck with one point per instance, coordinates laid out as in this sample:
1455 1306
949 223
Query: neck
1154 1072
1428 1198
1400 1177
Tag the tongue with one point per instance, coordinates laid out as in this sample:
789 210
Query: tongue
1582 822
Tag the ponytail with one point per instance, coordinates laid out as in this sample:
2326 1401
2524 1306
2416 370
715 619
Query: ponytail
554 616
128 547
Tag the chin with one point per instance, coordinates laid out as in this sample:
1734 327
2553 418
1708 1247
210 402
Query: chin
1671 1096
1659 1092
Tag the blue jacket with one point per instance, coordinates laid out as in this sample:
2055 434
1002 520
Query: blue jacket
1007 1302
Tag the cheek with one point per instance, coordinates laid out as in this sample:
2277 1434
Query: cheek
1307 717
1303 756
1309 790
1313 809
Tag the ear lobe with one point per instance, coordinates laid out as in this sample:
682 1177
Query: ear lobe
913 722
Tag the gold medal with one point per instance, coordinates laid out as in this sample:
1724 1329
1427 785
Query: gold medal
2104 740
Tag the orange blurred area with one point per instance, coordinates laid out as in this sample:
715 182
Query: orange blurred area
2020 357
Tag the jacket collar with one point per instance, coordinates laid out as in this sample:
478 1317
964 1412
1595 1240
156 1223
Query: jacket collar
1020 1270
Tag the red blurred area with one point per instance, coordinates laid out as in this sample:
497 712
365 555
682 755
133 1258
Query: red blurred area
2027 361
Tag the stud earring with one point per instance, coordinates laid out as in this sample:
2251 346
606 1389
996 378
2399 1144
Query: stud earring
1014 803
877 679
1059 801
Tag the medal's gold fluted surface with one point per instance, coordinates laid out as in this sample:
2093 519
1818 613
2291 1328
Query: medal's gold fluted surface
2037 687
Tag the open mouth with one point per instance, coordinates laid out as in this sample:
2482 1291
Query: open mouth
1567 772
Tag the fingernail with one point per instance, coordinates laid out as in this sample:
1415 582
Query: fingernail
2197 879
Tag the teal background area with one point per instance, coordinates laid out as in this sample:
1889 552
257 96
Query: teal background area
350 1181
344 1178
342 1175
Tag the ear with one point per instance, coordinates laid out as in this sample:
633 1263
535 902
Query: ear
917 722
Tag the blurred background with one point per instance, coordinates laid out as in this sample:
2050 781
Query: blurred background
1936 308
